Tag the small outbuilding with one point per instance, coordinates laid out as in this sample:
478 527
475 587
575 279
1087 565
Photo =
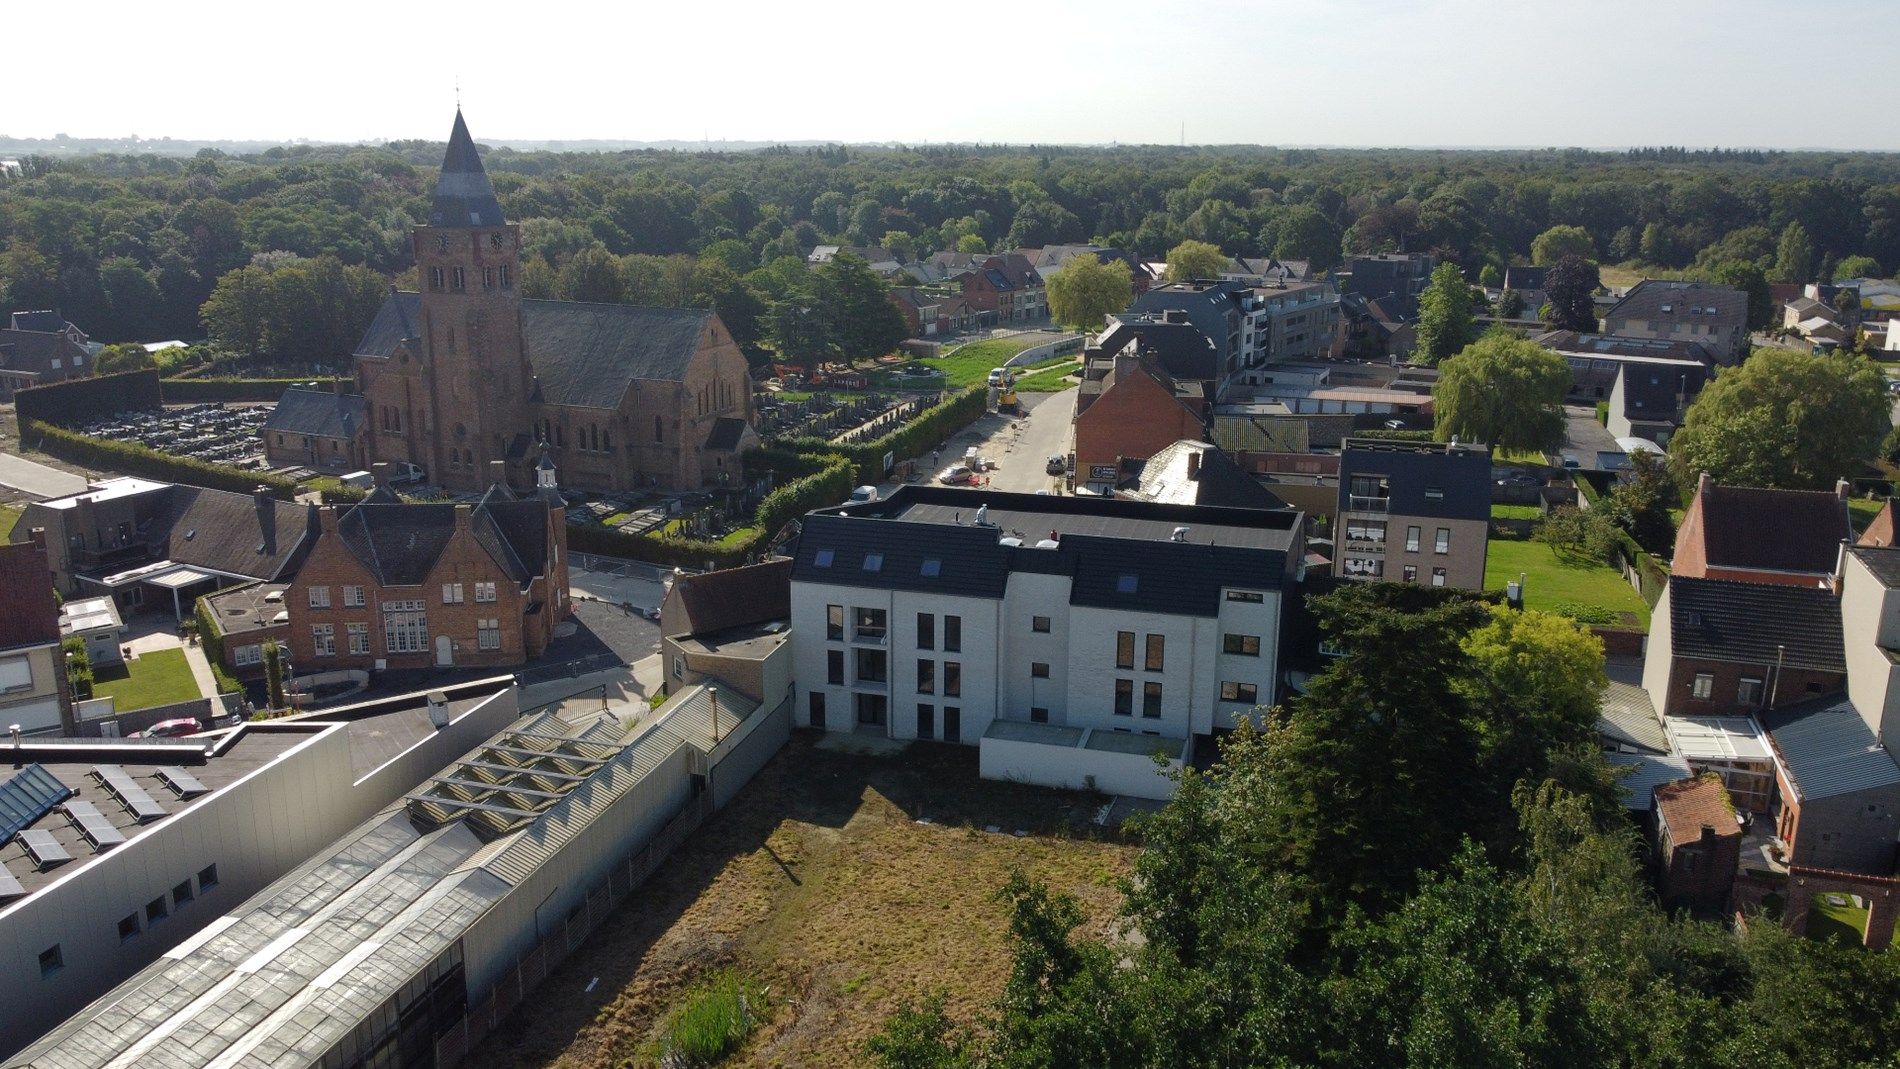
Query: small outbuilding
97 621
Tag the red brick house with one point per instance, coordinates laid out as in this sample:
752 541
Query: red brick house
1133 412
1698 844
1724 648
1755 535
1008 287
918 308
394 585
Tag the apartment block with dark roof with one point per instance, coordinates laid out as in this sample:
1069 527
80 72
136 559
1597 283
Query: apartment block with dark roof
1226 312
1069 638
1413 512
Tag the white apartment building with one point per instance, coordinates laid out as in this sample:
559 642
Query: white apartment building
1069 638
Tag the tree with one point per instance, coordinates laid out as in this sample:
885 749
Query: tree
1087 290
1856 267
1640 503
1538 682
921 1037
116 358
862 318
972 243
1510 304
801 330
593 275
1195 259
1041 221
1570 286
1504 390
1750 279
1561 241
1489 277
1794 254
274 674
1785 419
1444 316
1581 534
1306 234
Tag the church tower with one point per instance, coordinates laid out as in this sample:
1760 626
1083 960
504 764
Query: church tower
468 265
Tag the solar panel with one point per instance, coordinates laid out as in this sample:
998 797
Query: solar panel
183 782
130 794
9 887
27 797
43 848
94 825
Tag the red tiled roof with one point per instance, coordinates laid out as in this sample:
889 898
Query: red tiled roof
1687 804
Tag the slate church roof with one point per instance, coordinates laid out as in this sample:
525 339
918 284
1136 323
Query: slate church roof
463 196
318 413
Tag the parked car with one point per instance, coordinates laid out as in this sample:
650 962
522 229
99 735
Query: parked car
1516 477
169 729
998 376
955 475
403 473
863 494
1056 466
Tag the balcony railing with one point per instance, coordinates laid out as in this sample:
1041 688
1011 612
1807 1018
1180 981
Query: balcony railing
1356 503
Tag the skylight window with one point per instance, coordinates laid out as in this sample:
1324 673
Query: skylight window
1127 584
822 559
874 562
930 568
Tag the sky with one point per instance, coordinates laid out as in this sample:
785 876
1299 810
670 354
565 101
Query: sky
1591 73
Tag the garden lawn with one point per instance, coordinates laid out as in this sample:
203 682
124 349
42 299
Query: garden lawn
1551 581
161 677
970 365
9 515
1862 511
1846 925
1052 378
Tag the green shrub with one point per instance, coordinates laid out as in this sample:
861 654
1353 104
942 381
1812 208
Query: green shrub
1588 615
713 1022
131 458
1603 413
78 667
82 400
211 637
829 485
1390 434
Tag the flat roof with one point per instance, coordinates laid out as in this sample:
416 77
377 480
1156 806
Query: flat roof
89 614
105 490
249 608
1718 738
1130 743
746 640
1036 515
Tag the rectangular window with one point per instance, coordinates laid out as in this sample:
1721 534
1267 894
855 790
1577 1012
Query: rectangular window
871 666
353 596
926 676
1438 577
1038 715
926 721
817 708
51 961
1358 530
451 593
1748 692
1411 539
953 679
1157 644
926 631
1151 700
319 597
1246 595
1124 697
1239 692
834 667
128 926
834 623
181 894
485 592
323 639
1441 542
248 656
1241 645
1039 669
953 634
1125 649
156 911
359 638
1039 624
207 878
488 634
1409 573
405 627
869 625
1704 686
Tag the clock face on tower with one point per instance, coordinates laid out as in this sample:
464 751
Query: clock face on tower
494 241
442 243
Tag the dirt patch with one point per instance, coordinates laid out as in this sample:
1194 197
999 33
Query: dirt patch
844 884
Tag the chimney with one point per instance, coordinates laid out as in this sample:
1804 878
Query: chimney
266 520
498 473
379 474
1843 489
1702 484
439 709
38 537
463 514
1125 363
326 519
1708 833
1194 465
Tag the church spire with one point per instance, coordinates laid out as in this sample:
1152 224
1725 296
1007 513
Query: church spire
463 196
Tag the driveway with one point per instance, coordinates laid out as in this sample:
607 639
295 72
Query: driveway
37 480
1584 437
1021 447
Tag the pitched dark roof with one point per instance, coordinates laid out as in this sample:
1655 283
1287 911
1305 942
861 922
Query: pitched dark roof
1659 391
1828 750
734 597
230 533
463 195
400 544
319 413
1211 306
1755 623
1883 561
727 432
583 354
40 320
1216 479
1778 530
1703 302
1413 471
32 615
1524 278
1181 349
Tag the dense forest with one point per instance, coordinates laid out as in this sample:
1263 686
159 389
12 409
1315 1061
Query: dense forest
133 247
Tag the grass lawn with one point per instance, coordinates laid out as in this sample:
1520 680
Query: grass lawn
1052 378
157 678
1550 581
820 884
1861 512
9 515
1520 456
1516 512
970 365
1846 925
739 537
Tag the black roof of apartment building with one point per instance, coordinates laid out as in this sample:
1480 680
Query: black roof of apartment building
1433 479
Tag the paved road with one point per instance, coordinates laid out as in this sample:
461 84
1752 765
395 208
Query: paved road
37 480
1022 447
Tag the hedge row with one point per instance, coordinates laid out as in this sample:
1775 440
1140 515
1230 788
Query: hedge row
829 485
177 390
1393 434
84 400
131 458
913 439
211 637
678 552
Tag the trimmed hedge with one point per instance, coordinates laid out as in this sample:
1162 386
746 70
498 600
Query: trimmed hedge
177 390
78 666
829 485
1389 434
913 439
131 458
678 552
211 637
84 400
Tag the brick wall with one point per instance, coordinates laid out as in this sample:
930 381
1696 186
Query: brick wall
1137 417
1797 684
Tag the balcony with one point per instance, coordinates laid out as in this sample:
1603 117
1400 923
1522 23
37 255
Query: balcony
1355 503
